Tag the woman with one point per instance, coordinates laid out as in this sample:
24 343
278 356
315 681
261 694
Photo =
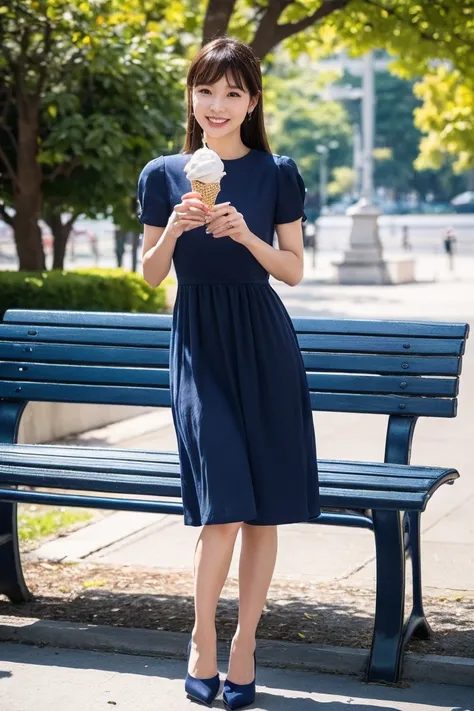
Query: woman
240 399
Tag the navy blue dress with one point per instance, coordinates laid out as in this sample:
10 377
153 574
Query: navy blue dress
240 399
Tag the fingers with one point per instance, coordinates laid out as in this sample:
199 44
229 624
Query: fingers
220 209
225 223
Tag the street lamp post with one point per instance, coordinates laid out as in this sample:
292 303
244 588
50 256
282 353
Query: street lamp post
363 262
323 151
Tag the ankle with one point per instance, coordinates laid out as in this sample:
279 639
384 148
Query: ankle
204 635
244 638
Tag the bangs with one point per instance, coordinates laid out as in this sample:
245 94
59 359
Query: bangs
213 66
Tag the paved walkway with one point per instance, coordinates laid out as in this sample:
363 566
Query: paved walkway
74 680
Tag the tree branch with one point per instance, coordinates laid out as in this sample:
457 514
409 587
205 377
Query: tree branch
269 33
43 71
61 169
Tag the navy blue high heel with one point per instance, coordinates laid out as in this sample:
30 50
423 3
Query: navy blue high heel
204 691
236 696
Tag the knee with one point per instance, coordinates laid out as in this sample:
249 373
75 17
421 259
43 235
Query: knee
258 531
226 530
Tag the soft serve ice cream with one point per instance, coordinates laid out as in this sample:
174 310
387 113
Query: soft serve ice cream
205 171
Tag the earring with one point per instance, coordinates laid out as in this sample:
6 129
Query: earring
249 115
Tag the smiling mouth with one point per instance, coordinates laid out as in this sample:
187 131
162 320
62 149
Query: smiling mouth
216 121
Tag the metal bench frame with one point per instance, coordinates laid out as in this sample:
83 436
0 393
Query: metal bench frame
400 369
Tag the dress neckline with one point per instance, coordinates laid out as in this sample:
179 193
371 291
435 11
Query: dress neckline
236 160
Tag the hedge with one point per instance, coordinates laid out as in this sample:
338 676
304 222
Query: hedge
92 289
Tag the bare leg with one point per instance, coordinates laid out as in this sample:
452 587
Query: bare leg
257 563
212 559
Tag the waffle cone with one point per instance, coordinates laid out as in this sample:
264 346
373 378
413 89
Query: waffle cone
209 191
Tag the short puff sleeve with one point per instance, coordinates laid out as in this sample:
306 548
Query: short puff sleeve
291 192
153 200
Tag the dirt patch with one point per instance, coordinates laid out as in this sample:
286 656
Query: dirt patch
332 614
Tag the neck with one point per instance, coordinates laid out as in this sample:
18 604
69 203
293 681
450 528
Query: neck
227 147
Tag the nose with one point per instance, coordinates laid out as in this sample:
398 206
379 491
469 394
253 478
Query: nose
216 105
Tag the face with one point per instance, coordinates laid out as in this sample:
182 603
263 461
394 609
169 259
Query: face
224 102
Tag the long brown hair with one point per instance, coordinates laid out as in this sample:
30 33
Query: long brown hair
235 59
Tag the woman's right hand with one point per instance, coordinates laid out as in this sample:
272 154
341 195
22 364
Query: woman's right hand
189 214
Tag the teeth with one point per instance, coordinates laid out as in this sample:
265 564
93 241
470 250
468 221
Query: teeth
213 120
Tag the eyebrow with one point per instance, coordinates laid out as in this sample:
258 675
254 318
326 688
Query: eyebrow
229 86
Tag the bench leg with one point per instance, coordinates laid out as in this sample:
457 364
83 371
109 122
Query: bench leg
12 582
417 625
387 643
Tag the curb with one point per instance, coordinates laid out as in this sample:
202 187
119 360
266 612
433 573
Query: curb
429 668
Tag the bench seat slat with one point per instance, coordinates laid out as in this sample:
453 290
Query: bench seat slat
163 321
108 481
38 472
322 382
87 470
55 456
329 497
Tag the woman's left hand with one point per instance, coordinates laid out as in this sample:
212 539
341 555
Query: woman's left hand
225 221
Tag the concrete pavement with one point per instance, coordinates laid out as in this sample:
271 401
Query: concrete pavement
76 680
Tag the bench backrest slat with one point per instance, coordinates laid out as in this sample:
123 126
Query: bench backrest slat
159 377
333 343
388 367
302 325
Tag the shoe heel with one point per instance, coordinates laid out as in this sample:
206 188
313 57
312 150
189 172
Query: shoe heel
202 691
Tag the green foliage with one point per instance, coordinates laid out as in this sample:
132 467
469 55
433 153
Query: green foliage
105 78
343 181
447 119
298 120
92 289
34 526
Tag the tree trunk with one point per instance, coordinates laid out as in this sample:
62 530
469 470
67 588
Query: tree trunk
27 191
60 232
120 239
217 19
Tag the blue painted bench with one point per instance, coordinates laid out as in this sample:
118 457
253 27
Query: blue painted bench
400 369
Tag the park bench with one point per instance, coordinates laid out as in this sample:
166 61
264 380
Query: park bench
401 369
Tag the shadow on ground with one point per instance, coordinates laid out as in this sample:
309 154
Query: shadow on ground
308 613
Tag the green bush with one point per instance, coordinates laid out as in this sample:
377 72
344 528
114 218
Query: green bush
93 289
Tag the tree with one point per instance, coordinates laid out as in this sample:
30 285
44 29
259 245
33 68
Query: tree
447 119
419 32
74 75
414 33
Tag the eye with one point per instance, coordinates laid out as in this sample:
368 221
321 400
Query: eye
235 94
201 91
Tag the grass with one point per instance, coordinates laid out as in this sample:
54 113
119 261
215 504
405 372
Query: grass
34 526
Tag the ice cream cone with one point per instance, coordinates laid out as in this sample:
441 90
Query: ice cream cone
209 191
